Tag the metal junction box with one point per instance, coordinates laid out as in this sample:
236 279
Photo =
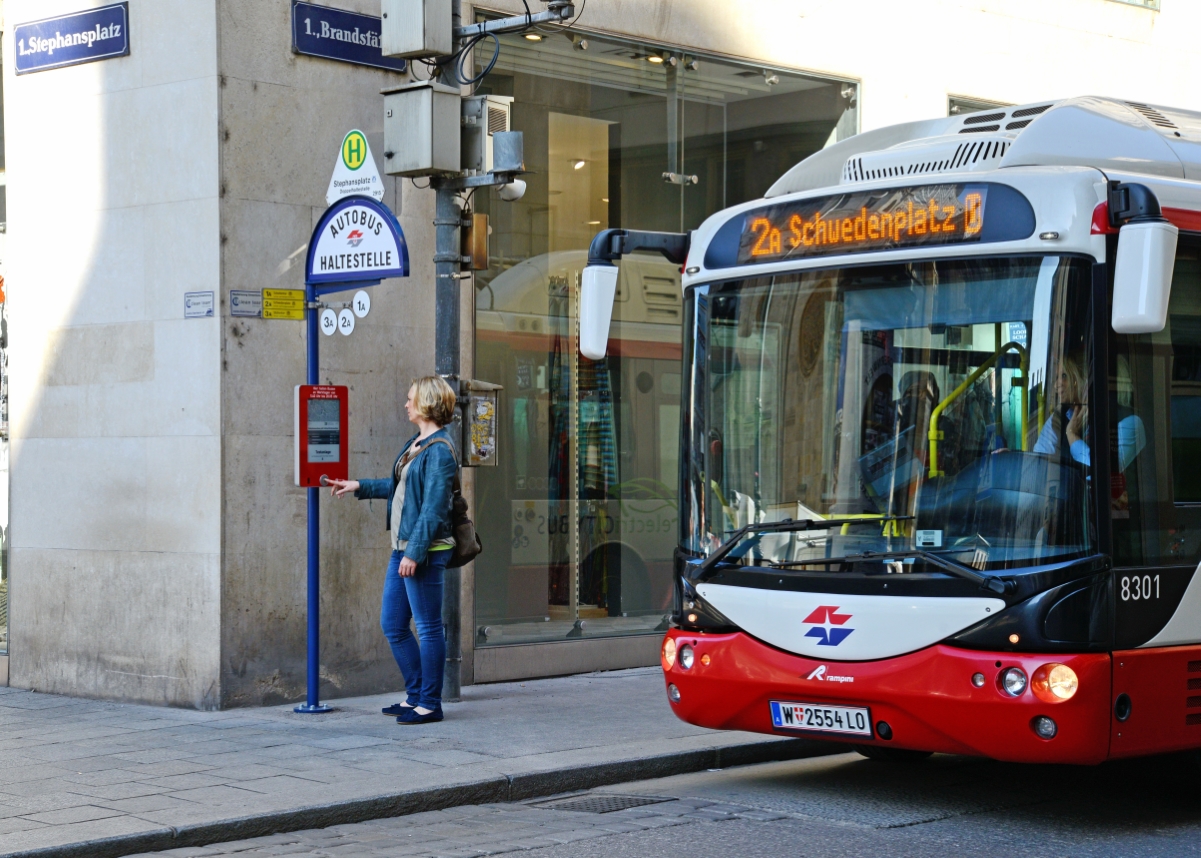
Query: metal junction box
421 130
483 116
416 28
480 409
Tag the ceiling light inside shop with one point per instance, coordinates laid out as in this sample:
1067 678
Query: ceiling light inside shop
533 37
604 199
654 58
579 165
594 223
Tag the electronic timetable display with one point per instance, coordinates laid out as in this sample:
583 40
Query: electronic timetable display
320 423
865 220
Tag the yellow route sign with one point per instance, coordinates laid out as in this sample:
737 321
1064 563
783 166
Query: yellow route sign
283 304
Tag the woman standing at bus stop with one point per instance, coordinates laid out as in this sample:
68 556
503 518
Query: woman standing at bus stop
419 494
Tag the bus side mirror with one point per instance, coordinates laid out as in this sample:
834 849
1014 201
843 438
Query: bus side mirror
1142 280
1142 272
598 289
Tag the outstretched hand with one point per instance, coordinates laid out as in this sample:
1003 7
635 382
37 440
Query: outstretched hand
337 488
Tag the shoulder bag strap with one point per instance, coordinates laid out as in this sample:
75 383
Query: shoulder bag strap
457 487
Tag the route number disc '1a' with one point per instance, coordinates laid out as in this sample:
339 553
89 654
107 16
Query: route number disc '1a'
361 303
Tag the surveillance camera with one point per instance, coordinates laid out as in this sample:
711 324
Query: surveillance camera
512 192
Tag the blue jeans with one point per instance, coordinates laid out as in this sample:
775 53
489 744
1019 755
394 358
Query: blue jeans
417 597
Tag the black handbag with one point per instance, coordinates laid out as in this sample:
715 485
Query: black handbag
467 541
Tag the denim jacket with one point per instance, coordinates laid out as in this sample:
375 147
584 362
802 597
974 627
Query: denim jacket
429 490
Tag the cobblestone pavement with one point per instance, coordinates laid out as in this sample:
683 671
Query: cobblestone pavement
80 771
835 806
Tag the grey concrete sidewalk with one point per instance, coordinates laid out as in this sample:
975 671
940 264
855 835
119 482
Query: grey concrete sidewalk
81 777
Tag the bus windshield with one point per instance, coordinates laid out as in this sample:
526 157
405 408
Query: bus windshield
942 406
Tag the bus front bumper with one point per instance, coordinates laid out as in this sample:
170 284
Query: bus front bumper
926 700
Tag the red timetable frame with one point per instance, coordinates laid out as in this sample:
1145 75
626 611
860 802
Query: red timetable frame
320 423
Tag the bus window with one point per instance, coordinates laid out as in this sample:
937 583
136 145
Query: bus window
946 402
1155 429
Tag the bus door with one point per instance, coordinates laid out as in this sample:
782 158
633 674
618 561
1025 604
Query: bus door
1154 390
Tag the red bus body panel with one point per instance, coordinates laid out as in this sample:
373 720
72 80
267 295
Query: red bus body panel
926 697
1164 686
929 701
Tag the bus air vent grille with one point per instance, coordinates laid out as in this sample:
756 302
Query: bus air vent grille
1194 684
1152 115
1015 121
978 118
1194 667
1193 703
1193 719
1030 111
944 156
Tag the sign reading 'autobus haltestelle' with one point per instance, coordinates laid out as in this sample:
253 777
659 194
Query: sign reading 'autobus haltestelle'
864 220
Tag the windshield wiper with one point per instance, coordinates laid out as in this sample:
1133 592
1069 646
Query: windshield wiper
787 525
992 583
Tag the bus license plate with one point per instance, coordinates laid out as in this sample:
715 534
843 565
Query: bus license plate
823 719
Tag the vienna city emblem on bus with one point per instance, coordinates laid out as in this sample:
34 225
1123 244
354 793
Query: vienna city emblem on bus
828 626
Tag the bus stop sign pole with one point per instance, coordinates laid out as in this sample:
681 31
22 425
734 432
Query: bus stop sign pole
335 264
311 704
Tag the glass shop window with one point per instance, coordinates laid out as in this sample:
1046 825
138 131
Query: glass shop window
581 514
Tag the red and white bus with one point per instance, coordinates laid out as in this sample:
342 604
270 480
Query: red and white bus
940 474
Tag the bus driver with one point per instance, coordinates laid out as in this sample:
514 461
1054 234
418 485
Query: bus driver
1071 413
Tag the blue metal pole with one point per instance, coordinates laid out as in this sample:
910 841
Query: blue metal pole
314 541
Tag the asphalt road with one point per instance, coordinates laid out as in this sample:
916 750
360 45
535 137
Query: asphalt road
833 806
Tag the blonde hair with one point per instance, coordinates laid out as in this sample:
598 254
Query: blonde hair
434 399
1077 386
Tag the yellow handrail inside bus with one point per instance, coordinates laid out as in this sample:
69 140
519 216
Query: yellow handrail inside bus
934 435
892 526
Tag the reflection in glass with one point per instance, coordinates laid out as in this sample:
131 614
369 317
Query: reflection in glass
945 405
585 499
1155 414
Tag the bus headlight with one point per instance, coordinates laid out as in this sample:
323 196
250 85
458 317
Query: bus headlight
669 653
1054 683
1013 681
687 657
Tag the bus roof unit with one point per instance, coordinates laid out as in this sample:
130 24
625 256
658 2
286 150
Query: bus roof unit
1105 133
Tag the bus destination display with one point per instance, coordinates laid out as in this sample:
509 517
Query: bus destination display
884 219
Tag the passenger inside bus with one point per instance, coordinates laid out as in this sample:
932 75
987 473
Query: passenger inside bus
1070 417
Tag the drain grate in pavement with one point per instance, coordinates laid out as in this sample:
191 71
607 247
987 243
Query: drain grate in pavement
601 803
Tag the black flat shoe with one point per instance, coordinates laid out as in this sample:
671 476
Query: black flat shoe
412 716
396 709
